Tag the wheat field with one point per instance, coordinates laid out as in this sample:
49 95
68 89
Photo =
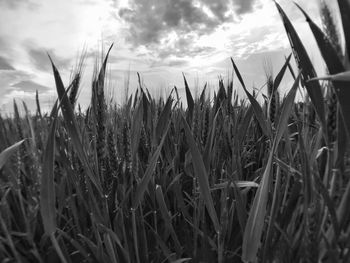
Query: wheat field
224 179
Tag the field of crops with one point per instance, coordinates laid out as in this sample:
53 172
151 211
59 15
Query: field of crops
224 179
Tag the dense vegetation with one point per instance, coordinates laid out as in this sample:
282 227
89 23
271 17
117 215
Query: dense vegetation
224 180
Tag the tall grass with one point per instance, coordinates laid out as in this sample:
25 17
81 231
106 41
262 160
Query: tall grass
223 180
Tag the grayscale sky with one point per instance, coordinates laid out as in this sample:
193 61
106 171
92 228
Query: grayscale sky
160 39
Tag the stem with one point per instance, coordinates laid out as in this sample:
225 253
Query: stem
135 235
57 248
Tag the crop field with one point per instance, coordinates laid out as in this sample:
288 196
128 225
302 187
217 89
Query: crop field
224 179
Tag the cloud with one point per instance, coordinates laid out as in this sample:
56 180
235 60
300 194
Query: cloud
170 62
5 44
5 65
39 57
13 4
20 85
150 21
177 63
184 46
29 86
174 53
8 78
243 6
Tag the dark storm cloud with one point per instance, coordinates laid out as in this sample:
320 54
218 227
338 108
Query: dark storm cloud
29 86
39 57
5 64
150 21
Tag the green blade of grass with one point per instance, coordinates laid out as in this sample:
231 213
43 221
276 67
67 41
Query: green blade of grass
329 203
304 63
238 184
343 212
256 107
160 242
5 235
339 76
180 199
203 94
57 248
109 247
163 119
136 128
142 186
75 244
210 141
221 96
211 242
98 98
38 109
274 209
190 101
47 185
240 207
290 69
101 75
255 223
134 235
287 107
181 260
202 176
242 130
341 143
326 48
280 74
91 246
72 129
165 214
256 219
30 125
116 239
8 152
344 8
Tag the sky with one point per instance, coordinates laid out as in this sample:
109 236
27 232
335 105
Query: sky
160 39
